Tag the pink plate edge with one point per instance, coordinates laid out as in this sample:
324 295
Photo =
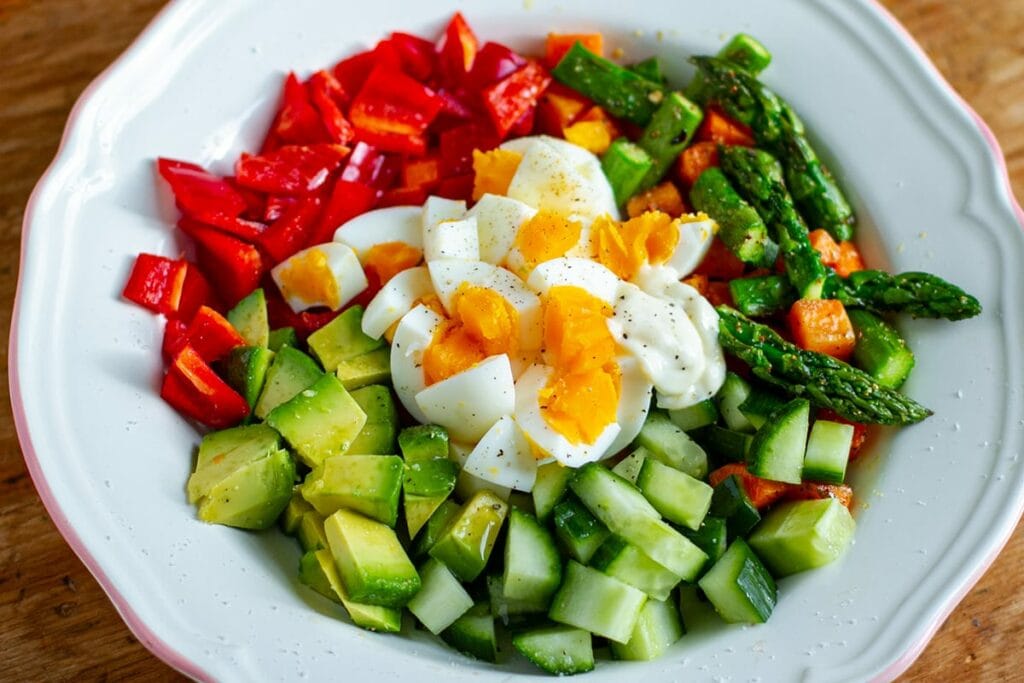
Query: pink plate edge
175 659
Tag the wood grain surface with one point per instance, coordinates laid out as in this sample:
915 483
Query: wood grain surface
55 622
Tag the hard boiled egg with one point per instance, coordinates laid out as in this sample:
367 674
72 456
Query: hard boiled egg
503 456
497 221
414 334
695 234
452 239
578 272
395 299
634 403
323 275
468 403
393 224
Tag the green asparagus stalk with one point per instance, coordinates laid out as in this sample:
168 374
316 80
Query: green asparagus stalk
758 178
778 129
650 69
739 225
880 351
625 164
827 382
764 295
744 51
671 128
922 295
621 92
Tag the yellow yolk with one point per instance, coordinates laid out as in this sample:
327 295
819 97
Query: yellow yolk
309 277
623 248
388 259
582 396
493 171
483 324
546 236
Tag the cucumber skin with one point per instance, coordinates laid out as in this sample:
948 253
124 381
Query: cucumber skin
558 650
740 569
819 531
791 421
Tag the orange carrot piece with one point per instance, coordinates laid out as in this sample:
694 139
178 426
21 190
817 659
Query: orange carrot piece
827 248
812 490
558 44
822 325
761 492
696 159
719 128
720 263
698 282
664 197
849 260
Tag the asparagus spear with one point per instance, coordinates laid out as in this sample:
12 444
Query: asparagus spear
922 295
650 69
758 177
625 164
674 122
620 91
827 382
778 129
744 51
739 225
764 295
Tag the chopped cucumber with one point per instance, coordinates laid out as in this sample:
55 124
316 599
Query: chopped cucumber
533 567
730 397
558 650
711 537
249 318
291 372
739 586
803 535
680 498
580 533
731 502
760 404
318 571
723 444
320 421
441 600
505 608
466 545
777 451
828 450
670 444
373 566
699 415
596 602
552 481
342 339
657 629
629 467
473 634
368 484
627 563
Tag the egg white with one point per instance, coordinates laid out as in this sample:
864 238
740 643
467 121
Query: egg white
395 299
413 335
345 270
577 272
503 456
468 403
635 390
498 219
393 224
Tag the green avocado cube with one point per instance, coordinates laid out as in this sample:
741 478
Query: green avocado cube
311 531
253 496
246 371
224 452
377 436
433 524
466 544
317 570
371 562
423 442
249 318
342 339
373 367
430 477
291 372
320 421
425 449
369 484
281 337
293 512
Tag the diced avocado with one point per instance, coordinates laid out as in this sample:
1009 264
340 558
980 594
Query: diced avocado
369 484
422 446
246 371
320 421
423 442
249 318
342 339
473 634
803 535
430 477
281 337
253 496
291 372
293 512
317 570
373 367
433 525
466 544
223 452
371 562
377 436
311 531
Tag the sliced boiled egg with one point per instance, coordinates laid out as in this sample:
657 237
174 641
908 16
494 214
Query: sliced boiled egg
467 485
578 272
695 234
635 390
414 334
468 403
393 224
498 220
452 239
396 298
503 456
545 236
438 209
327 274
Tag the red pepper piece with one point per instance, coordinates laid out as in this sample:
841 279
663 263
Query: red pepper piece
348 199
277 205
456 106
416 55
175 338
409 144
199 193
255 202
329 97
353 71
525 124
297 121
423 173
456 51
281 314
195 292
370 166
510 98
392 111
211 335
156 283
195 390
293 169
234 266
457 187
457 145
293 230
493 62
239 227
403 196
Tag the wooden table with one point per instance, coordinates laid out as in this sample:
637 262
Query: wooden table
56 623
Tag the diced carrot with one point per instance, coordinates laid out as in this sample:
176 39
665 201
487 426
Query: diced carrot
850 260
559 107
593 136
719 293
827 248
720 263
860 430
696 159
664 197
559 43
698 282
719 128
599 115
762 492
424 172
811 490
822 325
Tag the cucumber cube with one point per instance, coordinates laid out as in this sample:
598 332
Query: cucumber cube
342 339
473 634
700 415
291 372
627 563
506 608
657 628
249 318
723 444
533 566
760 404
731 502
629 467
466 545
320 421
579 531
595 602
668 443
368 484
730 397
372 564
680 498
373 367
803 535
711 537
441 600
739 586
558 650
777 451
828 450
548 489
317 570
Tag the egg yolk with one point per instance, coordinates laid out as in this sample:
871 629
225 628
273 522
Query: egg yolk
483 324
623 248
493 171
546 236
308 276
582 396
388 259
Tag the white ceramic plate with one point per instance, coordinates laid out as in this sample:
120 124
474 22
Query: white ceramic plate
110 458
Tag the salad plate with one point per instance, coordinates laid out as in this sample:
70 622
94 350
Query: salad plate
936 501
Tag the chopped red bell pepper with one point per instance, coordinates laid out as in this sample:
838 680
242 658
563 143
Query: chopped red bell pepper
457 145
277 205
718 127
493 62
409 144
348 199
392 111
293 169
456 50
525 124
456 187
199 193
234 266
297 121
421 173
195 390
239 227
156 283
370 166
417 55
456 106
293 230
329 97
352 71
255 202
510 98
280 314
195 293
211 335
175 338
403 196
